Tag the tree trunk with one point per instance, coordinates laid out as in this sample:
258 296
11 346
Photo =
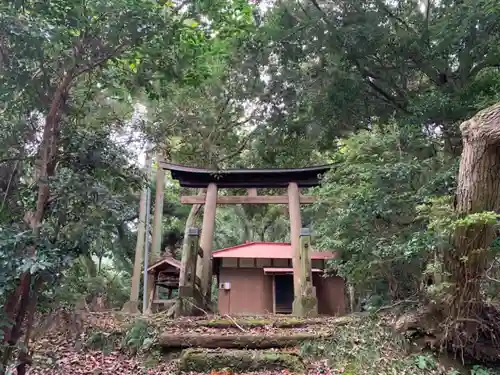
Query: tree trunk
45 169
89 264
190 222
156 250
467 259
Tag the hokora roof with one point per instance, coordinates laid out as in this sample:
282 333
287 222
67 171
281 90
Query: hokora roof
272 250
165 262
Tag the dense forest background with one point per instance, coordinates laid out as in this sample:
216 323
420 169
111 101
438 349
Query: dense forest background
378 88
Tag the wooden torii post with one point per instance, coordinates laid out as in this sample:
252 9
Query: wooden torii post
305 302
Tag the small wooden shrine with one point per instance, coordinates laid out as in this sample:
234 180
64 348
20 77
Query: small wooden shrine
211 181
165 275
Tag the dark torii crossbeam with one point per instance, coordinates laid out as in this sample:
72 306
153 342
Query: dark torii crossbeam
251 179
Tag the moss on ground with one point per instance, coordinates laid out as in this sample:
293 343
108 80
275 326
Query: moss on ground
364 345
228 323
103 341
239 360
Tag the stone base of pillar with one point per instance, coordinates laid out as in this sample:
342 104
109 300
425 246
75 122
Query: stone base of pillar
189 302
131 307
306 305
185 306
188 306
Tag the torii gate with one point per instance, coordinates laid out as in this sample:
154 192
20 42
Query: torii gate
252 179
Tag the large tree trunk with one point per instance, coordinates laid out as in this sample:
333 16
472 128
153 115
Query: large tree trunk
190 222
470 321
156 250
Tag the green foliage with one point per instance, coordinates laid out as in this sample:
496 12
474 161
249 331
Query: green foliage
78 283
479 218
338 69
377 87
480 370
242 223
368 208
139 337
75 73
366 346
424 362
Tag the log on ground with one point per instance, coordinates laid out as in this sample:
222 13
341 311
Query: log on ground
228 323
172 340
198 360
260 322
256 323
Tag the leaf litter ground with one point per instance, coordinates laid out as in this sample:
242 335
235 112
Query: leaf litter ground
104 345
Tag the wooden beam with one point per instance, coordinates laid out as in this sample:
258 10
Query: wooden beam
246 199
167 284
252 192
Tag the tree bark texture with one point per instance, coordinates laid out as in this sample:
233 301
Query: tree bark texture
466 261
190 222
478 190
156 250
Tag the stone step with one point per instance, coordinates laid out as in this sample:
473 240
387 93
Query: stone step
169 340
205 361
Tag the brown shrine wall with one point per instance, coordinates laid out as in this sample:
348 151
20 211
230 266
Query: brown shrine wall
330 294
251 292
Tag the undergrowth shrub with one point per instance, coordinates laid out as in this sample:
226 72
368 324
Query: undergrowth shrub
77 284
103 341
140 336
367 347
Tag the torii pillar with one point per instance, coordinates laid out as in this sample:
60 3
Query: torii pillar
295 225
305 302
206 241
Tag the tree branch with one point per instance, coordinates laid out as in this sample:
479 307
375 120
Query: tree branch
368 79
17 158
491 61
240 148
101 61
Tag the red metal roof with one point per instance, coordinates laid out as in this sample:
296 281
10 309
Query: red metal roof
286 270
272 250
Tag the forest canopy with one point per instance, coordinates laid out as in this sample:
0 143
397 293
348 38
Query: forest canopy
378 88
